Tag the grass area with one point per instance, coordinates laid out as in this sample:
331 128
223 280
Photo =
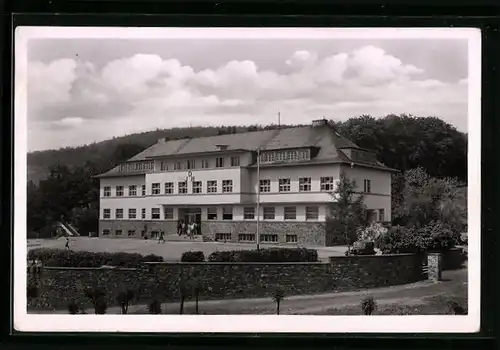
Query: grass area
170 251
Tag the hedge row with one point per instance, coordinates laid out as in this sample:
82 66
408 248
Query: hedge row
68 258
266 255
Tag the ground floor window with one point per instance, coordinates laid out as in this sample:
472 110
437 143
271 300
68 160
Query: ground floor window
106 213
291 238
249 213
381 215
118 232
155 213
212 213
290 213
155 234
223 236
131 232
269 238
269 213
105 232
168 213
312 213
227 213
246 237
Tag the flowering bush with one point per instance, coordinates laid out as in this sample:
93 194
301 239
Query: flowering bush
372 232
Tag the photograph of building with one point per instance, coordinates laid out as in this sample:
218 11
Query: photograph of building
212 181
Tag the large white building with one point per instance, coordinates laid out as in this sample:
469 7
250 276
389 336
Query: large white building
213 181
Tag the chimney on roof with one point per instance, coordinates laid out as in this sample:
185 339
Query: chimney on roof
319 122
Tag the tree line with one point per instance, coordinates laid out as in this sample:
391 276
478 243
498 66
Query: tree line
66 186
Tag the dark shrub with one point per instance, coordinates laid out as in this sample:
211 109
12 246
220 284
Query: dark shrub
266 255
196 256
154 307
222 256
100 307
65 258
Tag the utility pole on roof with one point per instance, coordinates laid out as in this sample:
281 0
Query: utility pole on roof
279 118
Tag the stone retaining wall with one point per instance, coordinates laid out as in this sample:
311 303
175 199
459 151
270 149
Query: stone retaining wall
59 286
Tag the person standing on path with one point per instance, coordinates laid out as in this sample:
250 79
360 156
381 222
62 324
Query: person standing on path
67 243
162 237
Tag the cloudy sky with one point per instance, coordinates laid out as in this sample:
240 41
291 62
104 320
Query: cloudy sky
85 90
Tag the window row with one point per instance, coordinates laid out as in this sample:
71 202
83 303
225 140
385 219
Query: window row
269 213
250 237
219 162
285 156
284 185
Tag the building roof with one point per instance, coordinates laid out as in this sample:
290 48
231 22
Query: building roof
323 137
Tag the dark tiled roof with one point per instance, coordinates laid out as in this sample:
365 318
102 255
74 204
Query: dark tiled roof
323 137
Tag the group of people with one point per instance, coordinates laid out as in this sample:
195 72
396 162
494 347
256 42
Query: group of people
187 228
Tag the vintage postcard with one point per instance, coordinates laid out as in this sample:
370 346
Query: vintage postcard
247 179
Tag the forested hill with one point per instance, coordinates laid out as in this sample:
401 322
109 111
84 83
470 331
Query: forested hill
402 142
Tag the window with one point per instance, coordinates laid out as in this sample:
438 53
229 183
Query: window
227 213
326 183
223 237
106 213
368 186
265 185
197 187
235 161
119 214
249 213
183 188
177 166
143 213
381 215
132 213
155 188
119 191
312 213
131 233
212 186
219 162
143 190
290 213
132 190
212 213
118 232
105 232
164 166
191 164
284 185
169 187
305 184
246 237
291 238
269 213
155 234
168 213
269 238
155 213
205 164
107 191
227 186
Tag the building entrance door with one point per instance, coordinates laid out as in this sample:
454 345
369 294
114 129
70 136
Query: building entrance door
191 215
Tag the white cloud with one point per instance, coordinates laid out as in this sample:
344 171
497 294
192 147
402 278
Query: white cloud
145 92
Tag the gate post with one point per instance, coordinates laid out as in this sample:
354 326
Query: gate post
434 266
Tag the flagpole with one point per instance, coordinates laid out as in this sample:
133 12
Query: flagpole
257 239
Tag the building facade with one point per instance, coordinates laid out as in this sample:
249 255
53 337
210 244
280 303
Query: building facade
217 182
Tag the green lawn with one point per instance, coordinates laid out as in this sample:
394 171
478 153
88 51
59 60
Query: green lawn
170 251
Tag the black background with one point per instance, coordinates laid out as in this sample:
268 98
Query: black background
334 13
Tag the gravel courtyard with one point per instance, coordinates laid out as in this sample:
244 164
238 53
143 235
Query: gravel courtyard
170 251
